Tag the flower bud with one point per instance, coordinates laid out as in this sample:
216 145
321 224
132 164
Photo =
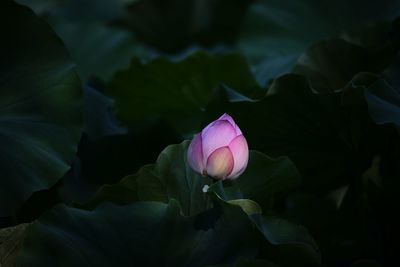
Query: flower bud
220 150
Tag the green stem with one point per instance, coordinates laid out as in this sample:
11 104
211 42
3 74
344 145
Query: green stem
209 181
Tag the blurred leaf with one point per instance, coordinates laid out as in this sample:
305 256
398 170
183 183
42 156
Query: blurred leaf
279 231
371 35
144 233
318 215
40 6
177 91
276 33
40 107
106 159
265 177
366 263
337 196
76 10
247 263
290 239
173 25
330 64
383 95
10 243
98 113
97 49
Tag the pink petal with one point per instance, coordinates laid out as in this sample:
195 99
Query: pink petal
232 122
216 135
238 131
226 117
220 163
240 152
195 154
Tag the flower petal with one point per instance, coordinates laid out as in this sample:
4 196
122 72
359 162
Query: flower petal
240 152
231 121
216 135
195 154
220 163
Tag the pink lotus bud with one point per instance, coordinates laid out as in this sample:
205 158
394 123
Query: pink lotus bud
220 150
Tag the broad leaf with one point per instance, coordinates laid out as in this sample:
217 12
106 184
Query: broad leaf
173 25
144 233
10 242
330 64
276 33
40 107
178 91
249 206
171 177
98 50
98 114
263 178
76 10
287 243
289 239
383 95
248 263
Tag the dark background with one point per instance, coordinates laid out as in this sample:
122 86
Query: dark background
314 81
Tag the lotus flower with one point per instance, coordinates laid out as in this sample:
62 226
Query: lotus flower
220 150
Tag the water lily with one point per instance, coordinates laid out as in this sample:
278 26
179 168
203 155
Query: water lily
220 150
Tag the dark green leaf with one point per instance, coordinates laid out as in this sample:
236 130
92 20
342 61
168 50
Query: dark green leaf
98 115
173 25
330 64
289 239
76 10
293 121
276 33
97 49
279 231
366 263
249 206
248 263
40 107
144 233
10 242
177 91
287 243
383 95
372 35
264 177
169 178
